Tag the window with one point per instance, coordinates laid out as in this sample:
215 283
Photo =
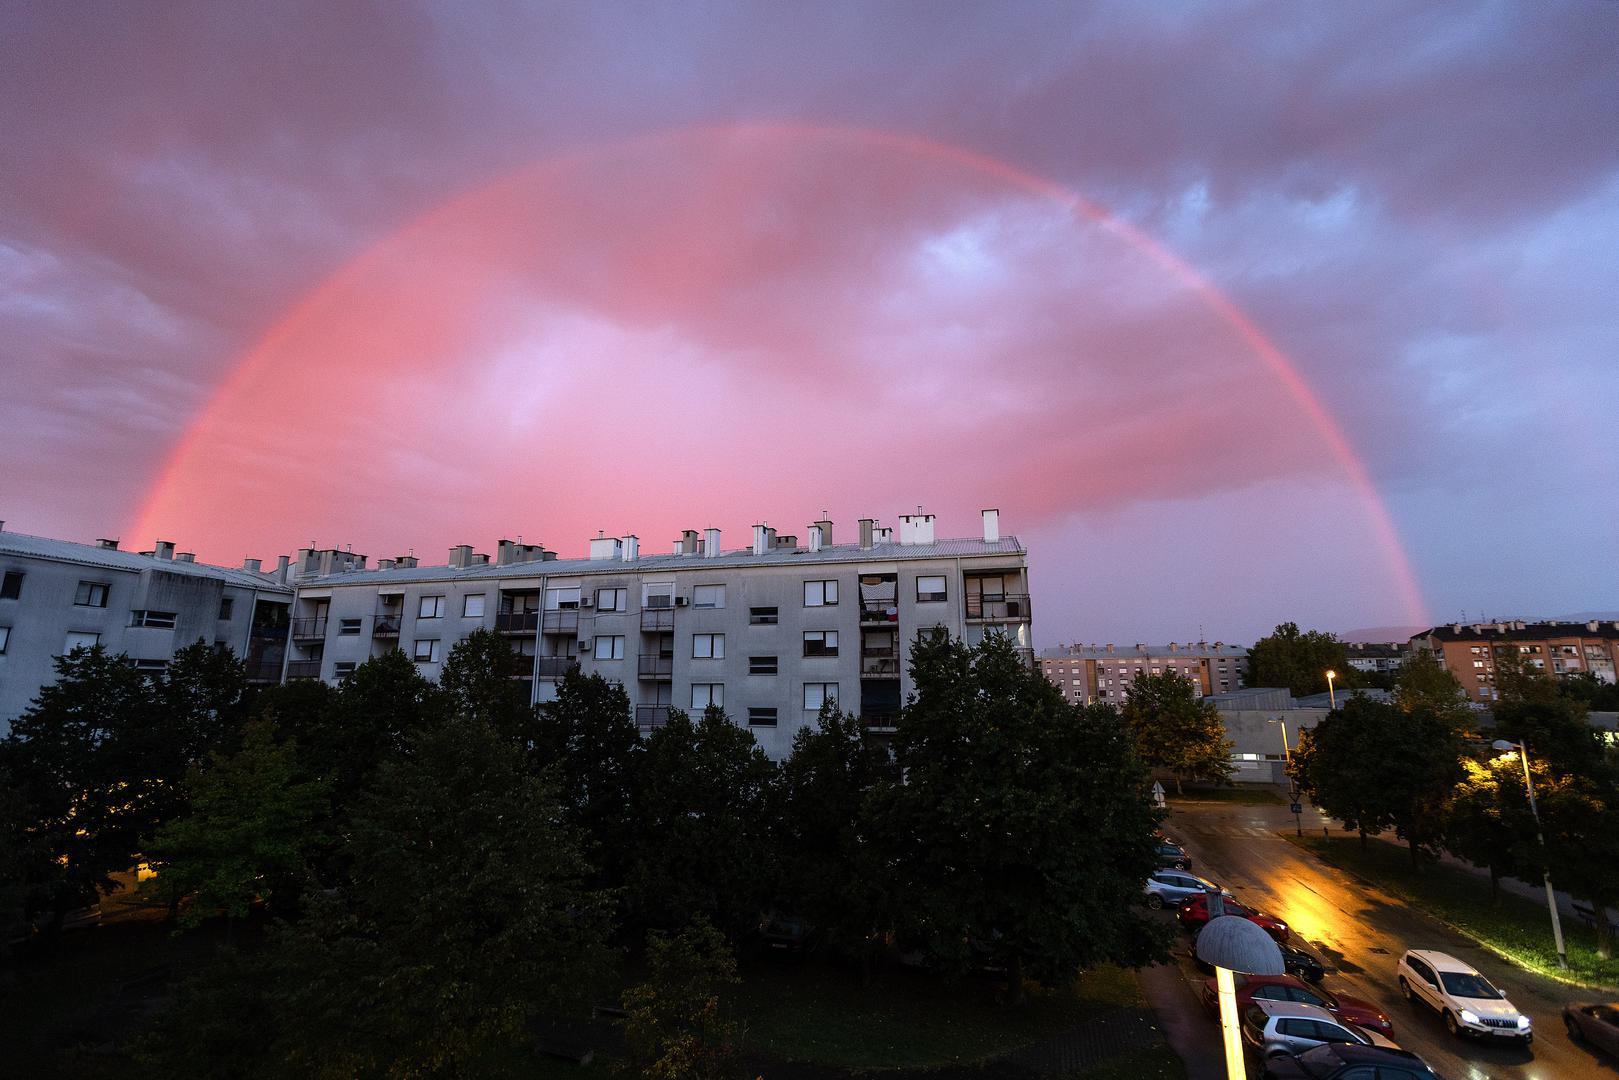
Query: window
158 620
820 593
761 716
227 604
820 643
91 594
930 588
708 596
472 606
348 627
761 665
610 647
432 607
5 637
562 598
11 586
704 694
762 616
612 599
817 694
708 646
343 669
658 596
150 666
81 641
931 633
426 650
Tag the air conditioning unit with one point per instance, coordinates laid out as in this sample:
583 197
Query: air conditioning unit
682 601
585 601
584 644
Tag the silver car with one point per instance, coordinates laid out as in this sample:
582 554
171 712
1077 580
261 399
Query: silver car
1167 888
1273 1028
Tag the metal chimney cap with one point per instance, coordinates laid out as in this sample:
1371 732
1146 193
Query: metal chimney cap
1231 941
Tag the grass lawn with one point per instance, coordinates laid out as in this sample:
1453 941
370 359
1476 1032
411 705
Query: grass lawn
1514 927
1152 1063
1235 794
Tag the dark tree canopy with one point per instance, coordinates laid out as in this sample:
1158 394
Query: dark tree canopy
1299 661
1175 730
483 680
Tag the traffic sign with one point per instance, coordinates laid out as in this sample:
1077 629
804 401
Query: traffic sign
1295 809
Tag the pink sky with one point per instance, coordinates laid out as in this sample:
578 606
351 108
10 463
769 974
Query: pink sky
412 279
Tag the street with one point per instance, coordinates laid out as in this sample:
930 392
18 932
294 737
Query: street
1359 935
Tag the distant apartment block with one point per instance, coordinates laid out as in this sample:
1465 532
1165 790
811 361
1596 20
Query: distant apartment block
1375 658
1090 673
56 596
1470 651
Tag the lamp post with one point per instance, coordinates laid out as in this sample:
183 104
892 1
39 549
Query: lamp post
1332 697
1287 751
1540 835
1231 943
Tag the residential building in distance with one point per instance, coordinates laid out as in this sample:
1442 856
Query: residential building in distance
1090 673
56 595
1470 651
1373 658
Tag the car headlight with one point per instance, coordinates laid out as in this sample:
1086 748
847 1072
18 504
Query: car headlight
1469 1016
1523 1022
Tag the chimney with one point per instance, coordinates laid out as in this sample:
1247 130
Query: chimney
505 553
281 564
1173 647
992 526
480 560
1592 626
186 556
884 535
866 526
915 529
1518 624
711 543
688 541
107 545
815 538
251 565
460 556
163 550
760 542
604 547
786 543
826 531
630 548
385 564
1110 648
406 561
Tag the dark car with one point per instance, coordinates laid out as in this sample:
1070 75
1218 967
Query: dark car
1363 1014
1300 964
784 935
1594 1024
1340 1061
1172 854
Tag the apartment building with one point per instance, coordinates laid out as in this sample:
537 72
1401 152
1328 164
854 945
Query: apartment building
769 631
56 595
1090 673
1373 658
1470 651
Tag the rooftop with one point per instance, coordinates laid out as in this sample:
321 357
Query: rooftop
1519 630
39 547
1191 649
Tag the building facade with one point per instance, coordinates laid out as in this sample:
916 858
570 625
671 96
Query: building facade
56 595
1560 649
1373 658
1090 673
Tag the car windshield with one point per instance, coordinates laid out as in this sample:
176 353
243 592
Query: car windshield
1320 1060
1465 985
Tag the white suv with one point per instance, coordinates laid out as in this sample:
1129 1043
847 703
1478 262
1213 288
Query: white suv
1466 1000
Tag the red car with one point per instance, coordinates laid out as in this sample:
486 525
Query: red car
1194 913
1363 1014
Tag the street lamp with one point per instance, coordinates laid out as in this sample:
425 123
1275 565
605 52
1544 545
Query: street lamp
1231 943
1540 835
1332 698
1287 751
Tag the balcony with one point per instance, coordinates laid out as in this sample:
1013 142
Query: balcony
303 669
263 671
657 620
998 607
879 612
880 662
648 717
657 667
880 720
554 667
561 621
387 623
517 622
313 629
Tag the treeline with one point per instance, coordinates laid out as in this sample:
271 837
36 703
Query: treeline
423 869
1418 765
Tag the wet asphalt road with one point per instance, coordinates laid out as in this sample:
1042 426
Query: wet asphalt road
1359 934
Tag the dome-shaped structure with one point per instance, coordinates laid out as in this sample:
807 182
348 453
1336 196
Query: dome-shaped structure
1232 942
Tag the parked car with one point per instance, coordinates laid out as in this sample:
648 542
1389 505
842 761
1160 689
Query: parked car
1168 888
1291 1027
1194 914
1594 1024
784 935
1300 964
1343 1061
1172 854
1251 988
1465 999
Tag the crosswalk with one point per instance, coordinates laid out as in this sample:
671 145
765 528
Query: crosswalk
1231 831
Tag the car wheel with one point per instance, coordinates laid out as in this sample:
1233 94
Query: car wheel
1405 988
1183 865
1155 901
1575 1032
1450 1023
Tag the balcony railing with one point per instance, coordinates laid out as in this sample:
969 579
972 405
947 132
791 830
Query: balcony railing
648 717
303 669
561 621
657 620
517 622
880 719
657 666
387 623
264 671
879 611
998 607
309 629
883 661
555 667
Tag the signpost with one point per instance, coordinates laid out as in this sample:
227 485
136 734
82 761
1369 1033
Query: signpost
1296 809
1158 794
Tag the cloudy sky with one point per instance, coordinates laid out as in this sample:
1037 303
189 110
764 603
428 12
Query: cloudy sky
1239 312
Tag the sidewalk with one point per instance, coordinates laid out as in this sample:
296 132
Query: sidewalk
1181 1019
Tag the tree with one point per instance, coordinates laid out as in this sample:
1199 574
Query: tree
1532 710
832 865
676 1027
482 680
1175 730
1022 830
1299 661
1423 684
204 690
701 846
249 831
1486 819
1591 692
1580 817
